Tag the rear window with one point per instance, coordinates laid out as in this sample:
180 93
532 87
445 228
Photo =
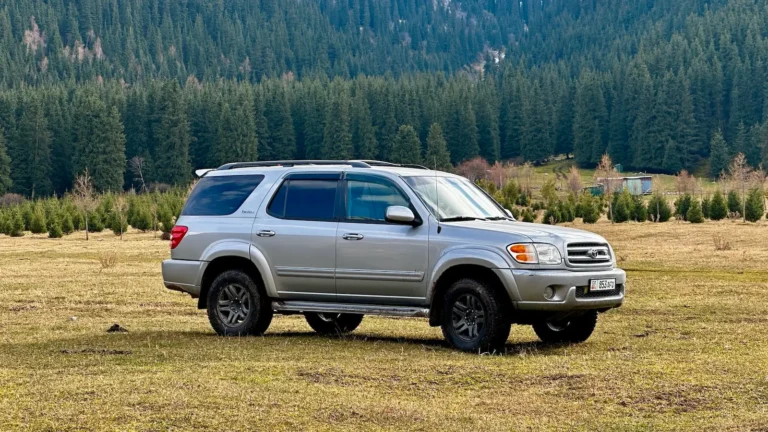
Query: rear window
220 196
305 200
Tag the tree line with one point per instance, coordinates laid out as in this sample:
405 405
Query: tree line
674 85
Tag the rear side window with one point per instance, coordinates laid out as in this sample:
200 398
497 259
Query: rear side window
305 200
220 196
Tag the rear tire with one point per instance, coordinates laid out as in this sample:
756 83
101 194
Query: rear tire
474 317
575 330
333 324
236 305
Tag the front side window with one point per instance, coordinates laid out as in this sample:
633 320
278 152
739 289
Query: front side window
368 200
220 195
454 198
305 200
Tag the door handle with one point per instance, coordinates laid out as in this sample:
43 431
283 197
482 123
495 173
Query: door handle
352 236
265 233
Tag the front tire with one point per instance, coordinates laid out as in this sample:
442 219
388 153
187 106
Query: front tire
236 305
473 317
333 324
575 330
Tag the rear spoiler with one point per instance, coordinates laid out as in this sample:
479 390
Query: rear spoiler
201 172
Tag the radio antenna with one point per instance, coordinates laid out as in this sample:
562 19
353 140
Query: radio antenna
437 199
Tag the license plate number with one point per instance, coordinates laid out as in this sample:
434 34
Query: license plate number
602 285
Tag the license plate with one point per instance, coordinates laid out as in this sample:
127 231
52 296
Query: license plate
602 285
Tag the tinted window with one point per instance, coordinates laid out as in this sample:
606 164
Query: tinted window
368 200
305 199
219 196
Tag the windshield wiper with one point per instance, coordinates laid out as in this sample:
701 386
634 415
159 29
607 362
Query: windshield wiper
462 219
497 218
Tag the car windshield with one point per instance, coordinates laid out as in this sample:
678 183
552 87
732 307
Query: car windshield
458 198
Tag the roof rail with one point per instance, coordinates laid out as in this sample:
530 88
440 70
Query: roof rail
375 163
417 166
291 163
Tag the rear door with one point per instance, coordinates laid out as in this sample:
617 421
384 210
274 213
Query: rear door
296 232
378 261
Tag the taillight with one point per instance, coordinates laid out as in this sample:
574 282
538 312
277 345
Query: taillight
177 233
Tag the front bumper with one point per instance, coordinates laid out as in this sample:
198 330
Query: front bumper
184 276
526 289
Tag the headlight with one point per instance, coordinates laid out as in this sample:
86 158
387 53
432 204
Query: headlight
535 253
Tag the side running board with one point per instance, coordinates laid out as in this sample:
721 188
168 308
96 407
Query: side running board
362 309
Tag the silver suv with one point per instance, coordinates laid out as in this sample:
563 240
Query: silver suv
337 240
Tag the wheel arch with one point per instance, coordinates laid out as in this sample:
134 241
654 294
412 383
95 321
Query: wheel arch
222 264
456 272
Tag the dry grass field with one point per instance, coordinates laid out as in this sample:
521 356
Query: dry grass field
688 351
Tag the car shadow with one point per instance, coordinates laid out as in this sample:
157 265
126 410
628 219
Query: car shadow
141 338
510 348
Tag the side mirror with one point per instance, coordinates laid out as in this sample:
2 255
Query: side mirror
509 213
400 214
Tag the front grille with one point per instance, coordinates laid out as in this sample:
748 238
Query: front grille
583 292
588 254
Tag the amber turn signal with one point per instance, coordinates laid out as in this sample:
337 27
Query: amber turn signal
523 253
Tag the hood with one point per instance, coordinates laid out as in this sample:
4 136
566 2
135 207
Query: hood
538 233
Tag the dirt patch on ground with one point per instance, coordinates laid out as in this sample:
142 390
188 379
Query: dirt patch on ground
98 351
22 308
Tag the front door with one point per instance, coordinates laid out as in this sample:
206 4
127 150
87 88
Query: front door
297 235
377 261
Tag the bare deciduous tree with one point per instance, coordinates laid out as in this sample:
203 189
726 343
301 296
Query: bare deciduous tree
740 175
136 165
82 193
474 169
685 183
526 177
574 181
606 175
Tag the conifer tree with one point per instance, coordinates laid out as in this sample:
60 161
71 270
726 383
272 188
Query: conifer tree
262 128
173 138
717 207
754 207
32 155
640 115
5 167
236 133
536 143
734 202
461 128
406 147
281 137
718 155
437 156
314 124
109 169
59 124
513 119
337 138
487 117
695 214
589 120
658 208
99 142
363 133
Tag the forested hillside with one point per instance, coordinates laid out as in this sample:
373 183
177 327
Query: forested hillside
660 85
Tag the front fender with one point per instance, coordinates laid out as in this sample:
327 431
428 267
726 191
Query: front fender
473 255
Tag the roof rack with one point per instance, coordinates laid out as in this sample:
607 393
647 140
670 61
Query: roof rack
375 163
291 163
